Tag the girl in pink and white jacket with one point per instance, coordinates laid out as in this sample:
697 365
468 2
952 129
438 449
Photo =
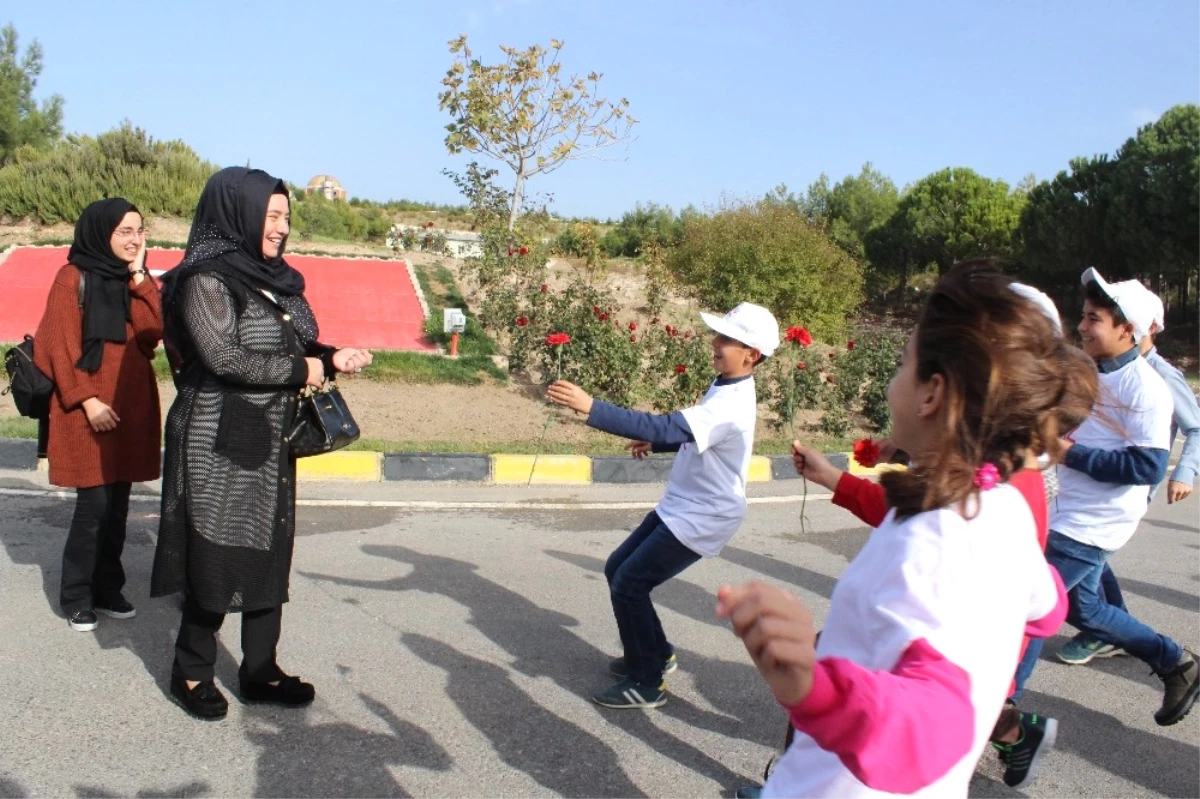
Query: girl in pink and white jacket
925 626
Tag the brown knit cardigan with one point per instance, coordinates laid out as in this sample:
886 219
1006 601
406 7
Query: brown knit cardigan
80 457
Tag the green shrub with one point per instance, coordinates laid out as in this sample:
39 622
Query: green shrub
768 253
162 178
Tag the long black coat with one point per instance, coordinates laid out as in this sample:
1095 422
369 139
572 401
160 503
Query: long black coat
229 482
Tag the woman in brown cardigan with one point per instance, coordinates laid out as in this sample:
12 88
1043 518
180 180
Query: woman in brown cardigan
97 344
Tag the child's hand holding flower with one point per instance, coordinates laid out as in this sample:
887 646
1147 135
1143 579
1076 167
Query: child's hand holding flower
562 392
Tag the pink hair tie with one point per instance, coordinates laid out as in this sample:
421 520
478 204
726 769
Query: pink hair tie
987 477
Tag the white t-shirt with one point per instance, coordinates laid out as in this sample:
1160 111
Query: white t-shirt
1134 410
964 589
705 500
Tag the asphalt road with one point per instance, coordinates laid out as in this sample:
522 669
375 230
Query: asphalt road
454 650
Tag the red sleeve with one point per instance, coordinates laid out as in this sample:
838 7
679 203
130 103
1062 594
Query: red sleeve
146 311
862 497
59 342
897 731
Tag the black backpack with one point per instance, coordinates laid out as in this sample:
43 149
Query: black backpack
29 386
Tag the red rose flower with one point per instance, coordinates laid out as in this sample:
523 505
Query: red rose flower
850 344
680 369
603 317
558 339
510 252
595 310
633 339
799 335
522 321
633 326
523 251
802 365
545 288
866 453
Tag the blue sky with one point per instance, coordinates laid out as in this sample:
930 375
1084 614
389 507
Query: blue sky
733 96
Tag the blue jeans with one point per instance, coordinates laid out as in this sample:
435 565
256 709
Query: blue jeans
649 557
1081 567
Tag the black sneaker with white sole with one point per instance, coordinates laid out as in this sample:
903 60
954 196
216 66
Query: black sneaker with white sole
629 693
1022 758
83 621
117 608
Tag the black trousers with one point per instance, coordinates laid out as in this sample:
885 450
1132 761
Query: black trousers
91 566
196 646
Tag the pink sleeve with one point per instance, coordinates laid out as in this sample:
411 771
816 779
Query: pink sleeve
896 731
1048 624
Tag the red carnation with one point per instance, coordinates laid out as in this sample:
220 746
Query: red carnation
799 335
850 344
680 369
522 321
633 326
866 453
558 339
545 288
802 365
523 251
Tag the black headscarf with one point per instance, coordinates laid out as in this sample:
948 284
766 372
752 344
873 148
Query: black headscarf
227 233
106 288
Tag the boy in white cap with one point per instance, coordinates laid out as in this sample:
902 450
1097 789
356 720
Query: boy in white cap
704 503
1185 418
1110 463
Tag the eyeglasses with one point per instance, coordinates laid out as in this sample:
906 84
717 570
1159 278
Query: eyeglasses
129 233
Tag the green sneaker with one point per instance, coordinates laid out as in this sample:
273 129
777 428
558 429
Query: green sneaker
1084 647
630 693
617 667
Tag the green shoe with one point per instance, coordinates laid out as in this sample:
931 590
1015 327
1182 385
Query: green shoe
630 693
1084 647
617 667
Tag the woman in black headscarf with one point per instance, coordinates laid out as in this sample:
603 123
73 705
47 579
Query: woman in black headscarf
243 342
96 341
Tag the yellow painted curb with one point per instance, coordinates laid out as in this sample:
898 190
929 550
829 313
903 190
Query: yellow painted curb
551 469
365 466
875 470
760 469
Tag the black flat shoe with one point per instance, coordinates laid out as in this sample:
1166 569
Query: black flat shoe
290 691
205 701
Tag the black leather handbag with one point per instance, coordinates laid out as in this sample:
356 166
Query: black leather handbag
323 422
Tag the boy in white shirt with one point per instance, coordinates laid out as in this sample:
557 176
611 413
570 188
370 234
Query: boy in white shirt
1110 463
704 503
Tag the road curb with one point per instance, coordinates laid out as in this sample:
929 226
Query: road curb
499 468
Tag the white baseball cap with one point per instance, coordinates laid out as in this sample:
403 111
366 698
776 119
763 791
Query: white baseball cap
751 324
1156 306
1130 296
1042 301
